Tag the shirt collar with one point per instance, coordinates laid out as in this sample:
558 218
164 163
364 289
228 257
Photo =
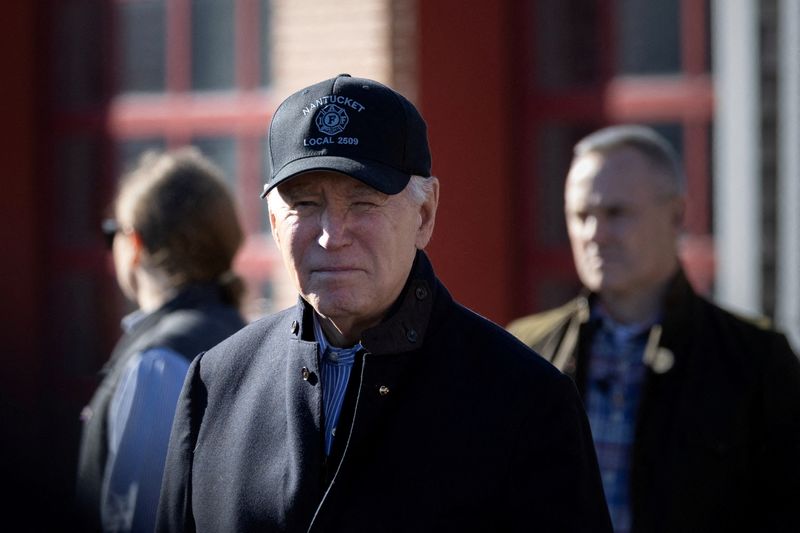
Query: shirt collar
131 320
621 332
332 354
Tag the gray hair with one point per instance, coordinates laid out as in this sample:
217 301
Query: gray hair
644 140
419 189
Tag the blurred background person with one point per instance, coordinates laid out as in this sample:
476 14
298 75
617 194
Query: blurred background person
695 413
174 235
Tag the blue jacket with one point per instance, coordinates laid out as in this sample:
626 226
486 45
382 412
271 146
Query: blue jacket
454 425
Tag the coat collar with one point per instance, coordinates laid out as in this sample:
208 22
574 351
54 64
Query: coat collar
666 340
191 296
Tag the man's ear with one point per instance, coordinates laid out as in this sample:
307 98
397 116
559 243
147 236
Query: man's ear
427 215
272 224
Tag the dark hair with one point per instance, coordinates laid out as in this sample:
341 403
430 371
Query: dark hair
646 141
179 204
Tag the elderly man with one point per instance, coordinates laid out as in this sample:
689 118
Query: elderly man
377 403
695 413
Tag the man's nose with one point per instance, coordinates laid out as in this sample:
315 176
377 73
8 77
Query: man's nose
333 228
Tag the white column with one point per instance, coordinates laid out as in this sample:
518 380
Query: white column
788 264
737 194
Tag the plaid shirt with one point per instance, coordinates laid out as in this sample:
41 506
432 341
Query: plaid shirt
613 390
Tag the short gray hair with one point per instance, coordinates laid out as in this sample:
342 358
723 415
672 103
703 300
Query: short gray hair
644 140
419 189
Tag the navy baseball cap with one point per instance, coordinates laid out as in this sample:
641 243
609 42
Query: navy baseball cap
354 126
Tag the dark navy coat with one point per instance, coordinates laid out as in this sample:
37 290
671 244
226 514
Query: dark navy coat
455 426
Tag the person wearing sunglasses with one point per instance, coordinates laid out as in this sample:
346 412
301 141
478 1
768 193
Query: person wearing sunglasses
173 238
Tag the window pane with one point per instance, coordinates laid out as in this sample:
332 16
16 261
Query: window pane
672 132
78 46
566 42
212 44
554 154
142 45
130 150
266 43
222 151
649 37
77 174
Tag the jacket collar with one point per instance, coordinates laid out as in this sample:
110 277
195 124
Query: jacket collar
191 296
667 338
406 323
679 303
675 306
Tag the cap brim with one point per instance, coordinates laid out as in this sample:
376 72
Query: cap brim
377 175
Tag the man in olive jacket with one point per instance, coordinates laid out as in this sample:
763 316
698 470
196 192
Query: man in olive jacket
695 413
377 403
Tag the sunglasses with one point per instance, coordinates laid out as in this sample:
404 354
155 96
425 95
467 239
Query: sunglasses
110 227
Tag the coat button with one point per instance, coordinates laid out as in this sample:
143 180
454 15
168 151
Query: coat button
295 327
421 293
305 373
411 335
383 390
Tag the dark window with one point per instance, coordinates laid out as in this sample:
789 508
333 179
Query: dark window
648 37
554 154
141 45
566 42
130 150
222 151
672 132
78 49
212 44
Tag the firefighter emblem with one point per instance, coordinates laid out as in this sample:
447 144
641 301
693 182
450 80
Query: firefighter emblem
331 119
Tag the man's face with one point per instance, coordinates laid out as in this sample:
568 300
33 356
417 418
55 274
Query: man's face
622 226
348 247
126 253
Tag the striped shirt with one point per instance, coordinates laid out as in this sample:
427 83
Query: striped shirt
614 384
335 367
